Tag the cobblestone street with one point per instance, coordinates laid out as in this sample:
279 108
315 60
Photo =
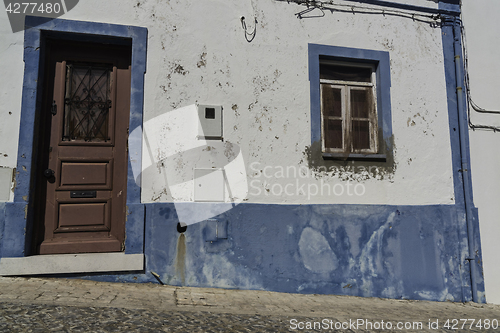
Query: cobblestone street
68 305
50 318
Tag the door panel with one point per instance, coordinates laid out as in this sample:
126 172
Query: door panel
86 175
73 216
87 163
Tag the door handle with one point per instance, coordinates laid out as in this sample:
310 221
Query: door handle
49 173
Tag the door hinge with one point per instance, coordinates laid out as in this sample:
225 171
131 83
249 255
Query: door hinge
54 108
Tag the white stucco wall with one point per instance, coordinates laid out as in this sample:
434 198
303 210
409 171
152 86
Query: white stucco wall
197 53
11 72
483 46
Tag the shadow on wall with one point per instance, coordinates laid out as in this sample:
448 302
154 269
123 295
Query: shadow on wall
175 141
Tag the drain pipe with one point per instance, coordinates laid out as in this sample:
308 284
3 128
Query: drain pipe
464 154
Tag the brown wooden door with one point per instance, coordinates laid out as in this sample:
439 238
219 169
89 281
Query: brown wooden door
87 161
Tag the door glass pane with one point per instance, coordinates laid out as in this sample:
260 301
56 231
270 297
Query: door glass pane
332 103
360 134
360 103
87 103
333 133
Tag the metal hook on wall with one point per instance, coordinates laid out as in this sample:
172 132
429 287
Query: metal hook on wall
249 36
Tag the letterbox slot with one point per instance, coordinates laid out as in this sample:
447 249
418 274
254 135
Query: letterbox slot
83 194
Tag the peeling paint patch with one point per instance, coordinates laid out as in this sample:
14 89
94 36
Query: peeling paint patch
229 150
235 109
203 60
348 169
371 261
14 181
179 70
316 253
218 271
157 197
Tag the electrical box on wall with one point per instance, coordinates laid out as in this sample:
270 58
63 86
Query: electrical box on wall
210 122
215 230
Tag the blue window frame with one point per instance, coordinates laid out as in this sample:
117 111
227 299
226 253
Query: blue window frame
354 57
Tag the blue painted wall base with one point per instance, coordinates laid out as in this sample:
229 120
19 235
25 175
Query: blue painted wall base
401 252
14 230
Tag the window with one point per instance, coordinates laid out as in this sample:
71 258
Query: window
350 102
348 108
87 103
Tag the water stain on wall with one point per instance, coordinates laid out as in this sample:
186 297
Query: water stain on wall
347 169
180 259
